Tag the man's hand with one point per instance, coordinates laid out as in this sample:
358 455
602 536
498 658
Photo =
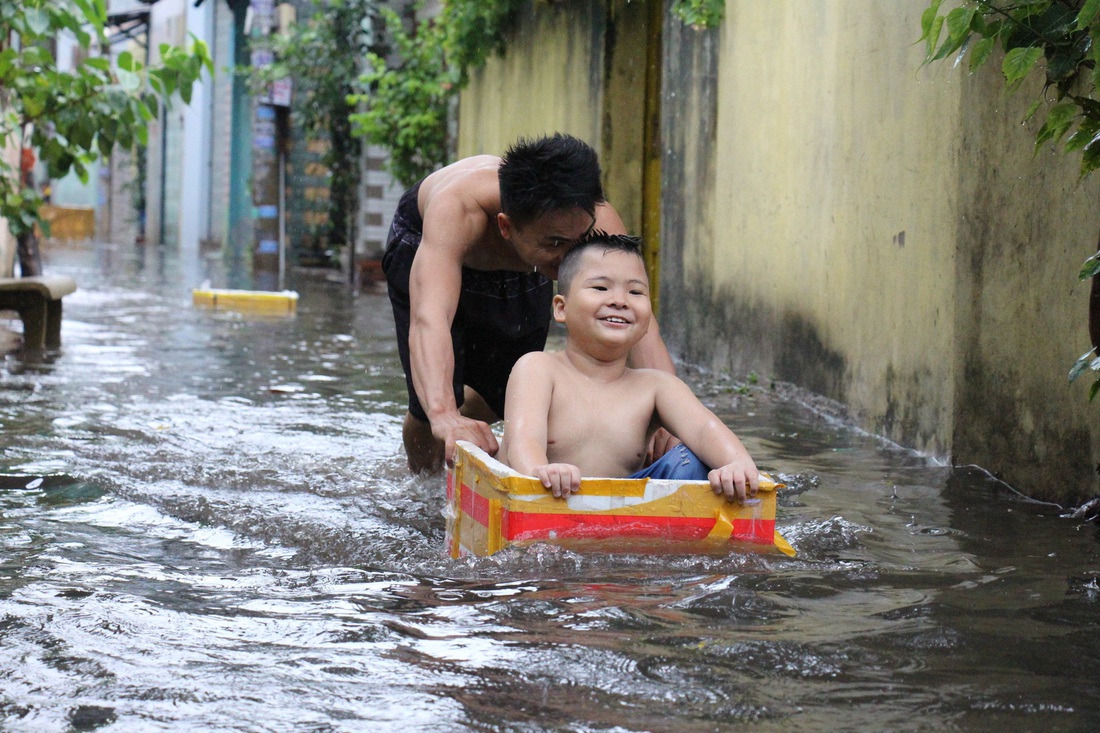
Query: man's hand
453 427
738 481
562 479
661 442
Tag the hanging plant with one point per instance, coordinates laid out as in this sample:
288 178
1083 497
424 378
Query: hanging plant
699 14
405 107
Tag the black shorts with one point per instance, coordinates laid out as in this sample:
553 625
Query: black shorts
501 316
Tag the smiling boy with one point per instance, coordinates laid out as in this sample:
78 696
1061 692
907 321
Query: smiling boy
585 412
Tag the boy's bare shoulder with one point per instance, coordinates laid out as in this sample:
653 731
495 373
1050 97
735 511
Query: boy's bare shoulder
536 360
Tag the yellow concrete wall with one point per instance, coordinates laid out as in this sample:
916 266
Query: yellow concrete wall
576 67
835 197
836 216
830 144
543 84
1026 227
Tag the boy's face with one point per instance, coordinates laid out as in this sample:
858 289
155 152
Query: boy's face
607 308
543 242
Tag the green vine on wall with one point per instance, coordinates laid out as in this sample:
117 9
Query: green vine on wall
407 96
1065 36
406 103
699 14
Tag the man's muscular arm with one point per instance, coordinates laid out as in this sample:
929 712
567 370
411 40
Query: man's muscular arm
451 227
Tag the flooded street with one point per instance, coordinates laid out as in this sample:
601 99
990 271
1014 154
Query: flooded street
206 524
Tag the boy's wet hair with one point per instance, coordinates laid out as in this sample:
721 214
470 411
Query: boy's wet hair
596 239
548 174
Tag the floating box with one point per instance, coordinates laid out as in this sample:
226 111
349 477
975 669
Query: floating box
490 506
266 302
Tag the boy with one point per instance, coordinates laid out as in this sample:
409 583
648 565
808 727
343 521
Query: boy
584 412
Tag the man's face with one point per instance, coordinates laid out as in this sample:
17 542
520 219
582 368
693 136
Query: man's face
543 242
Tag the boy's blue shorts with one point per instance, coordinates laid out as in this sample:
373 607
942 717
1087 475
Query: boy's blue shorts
678 464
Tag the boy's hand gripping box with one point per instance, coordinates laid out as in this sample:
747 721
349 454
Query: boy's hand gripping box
490 506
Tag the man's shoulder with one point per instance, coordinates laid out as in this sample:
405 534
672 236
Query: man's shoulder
469 178
469 193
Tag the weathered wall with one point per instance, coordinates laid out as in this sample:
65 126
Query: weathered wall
549 80
1026 224
880 234
836 216
828 261
576 67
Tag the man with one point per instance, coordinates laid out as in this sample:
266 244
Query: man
469 261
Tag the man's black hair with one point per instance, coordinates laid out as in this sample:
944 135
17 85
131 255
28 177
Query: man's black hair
549 174
596 239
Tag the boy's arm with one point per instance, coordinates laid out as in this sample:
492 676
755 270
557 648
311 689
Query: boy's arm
734 473
526 424
435 283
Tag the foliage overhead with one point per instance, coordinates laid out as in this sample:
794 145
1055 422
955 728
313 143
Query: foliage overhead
699 14
72 117
1065 35
406 97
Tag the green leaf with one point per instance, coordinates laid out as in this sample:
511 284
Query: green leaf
981 51
128 80
105 145
933 36
126 61
1088 132
927 20
959 21
34 105
1087 14
1031 110
37 20
81 133
1094 389
1019 62
1081 364
1058 122
1090 268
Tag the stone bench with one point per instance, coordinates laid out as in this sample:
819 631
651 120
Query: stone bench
37 300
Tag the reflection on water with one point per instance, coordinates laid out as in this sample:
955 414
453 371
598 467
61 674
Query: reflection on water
205 524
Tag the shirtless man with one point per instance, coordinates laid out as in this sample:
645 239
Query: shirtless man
469 261
584 411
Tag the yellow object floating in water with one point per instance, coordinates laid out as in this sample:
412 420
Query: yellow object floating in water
266 302
490 506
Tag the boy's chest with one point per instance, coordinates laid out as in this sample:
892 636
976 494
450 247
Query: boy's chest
604 424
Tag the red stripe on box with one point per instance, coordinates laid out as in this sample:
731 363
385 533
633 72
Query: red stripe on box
754 530
475 506
518 526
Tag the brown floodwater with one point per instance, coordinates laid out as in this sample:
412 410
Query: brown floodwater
206 524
